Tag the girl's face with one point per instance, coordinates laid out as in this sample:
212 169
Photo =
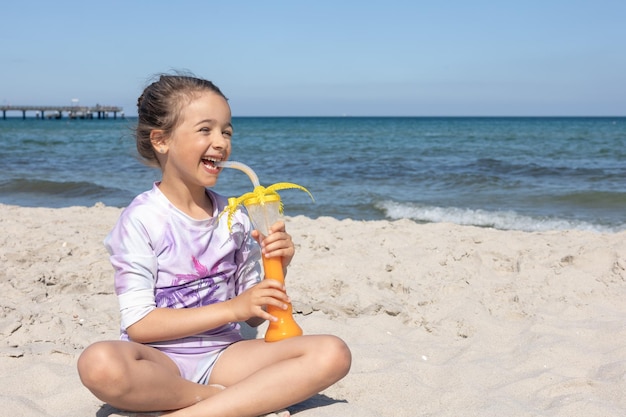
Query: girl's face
202 137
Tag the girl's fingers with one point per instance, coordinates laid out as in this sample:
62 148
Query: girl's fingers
277 241
279 226
272 292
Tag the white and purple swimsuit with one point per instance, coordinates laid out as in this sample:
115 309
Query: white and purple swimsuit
166 259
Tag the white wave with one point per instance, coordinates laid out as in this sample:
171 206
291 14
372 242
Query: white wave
505 220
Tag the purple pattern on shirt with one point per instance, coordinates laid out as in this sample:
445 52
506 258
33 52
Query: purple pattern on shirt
190 290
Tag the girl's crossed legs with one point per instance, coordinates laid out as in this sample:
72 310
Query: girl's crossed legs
259 377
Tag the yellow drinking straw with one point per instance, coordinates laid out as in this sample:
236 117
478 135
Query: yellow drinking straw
264 208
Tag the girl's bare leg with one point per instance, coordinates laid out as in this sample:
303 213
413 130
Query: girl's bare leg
134 377
261 377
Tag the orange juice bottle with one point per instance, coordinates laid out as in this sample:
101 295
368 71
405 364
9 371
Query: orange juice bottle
264 213
286 326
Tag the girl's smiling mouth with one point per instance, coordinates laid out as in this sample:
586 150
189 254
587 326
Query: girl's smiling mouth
211 163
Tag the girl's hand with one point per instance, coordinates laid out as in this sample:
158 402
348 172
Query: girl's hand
251 302
278 243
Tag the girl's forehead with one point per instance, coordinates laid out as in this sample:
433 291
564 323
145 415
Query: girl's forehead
205 105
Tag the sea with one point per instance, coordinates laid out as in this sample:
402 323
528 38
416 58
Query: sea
510 173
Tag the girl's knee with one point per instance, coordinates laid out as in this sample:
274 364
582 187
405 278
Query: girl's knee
344 355
336 356
99 365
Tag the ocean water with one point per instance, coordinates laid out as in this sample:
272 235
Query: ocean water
530 174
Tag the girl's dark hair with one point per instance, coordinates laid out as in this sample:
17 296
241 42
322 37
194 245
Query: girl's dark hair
160 106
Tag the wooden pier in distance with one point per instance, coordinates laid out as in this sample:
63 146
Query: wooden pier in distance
72 112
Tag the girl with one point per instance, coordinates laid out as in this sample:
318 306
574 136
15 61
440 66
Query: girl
184 281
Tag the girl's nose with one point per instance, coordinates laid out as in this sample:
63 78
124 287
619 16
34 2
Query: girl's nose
219 141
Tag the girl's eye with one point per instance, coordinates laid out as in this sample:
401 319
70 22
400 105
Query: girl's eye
228 134
205 129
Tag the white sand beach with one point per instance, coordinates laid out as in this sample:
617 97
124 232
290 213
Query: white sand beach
442 320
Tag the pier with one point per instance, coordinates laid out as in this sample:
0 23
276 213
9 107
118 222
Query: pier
72 112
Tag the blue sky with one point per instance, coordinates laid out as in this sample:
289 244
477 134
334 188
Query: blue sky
325 58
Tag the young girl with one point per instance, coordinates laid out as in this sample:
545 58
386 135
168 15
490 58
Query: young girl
184 280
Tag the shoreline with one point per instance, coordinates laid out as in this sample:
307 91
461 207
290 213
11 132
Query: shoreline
497 220
442 319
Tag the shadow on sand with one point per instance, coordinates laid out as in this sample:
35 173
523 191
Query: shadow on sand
316 401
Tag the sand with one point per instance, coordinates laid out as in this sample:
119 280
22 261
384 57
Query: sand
442 320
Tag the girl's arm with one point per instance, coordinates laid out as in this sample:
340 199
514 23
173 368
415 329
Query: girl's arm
163 324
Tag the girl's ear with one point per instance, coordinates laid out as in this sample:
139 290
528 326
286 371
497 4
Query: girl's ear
157 138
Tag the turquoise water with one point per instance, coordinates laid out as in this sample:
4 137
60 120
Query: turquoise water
508 173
